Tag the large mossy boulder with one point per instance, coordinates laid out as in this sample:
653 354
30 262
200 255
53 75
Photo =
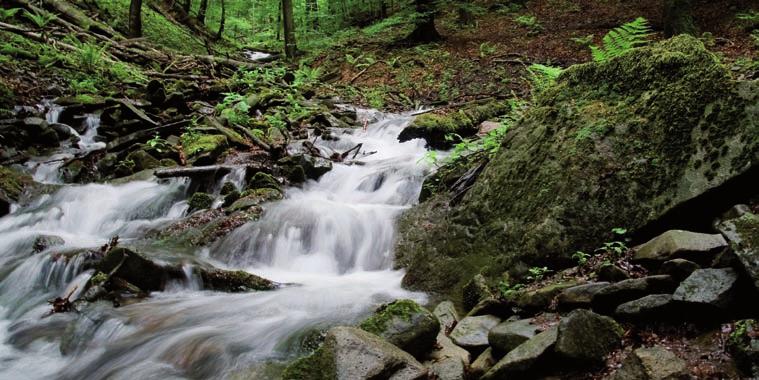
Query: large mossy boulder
618 143
405 324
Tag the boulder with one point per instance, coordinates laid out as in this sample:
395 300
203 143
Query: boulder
472 332
742 231
203 149
349 353
653 363
143 160
483 363
405 324
612 273
448 369
654 307
679 269
580 296
708 287
445 348
541 298
44 242
446 314
680 244
200 201
524 357
263 180
586 337
507 335
475 291
251 199
625 142
233 281
312 167
136 269
608 298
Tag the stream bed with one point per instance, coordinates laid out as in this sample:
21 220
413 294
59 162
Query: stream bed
331 240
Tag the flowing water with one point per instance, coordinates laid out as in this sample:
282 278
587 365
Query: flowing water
331 239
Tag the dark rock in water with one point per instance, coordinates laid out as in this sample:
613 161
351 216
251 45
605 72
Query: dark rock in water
525 358
349 353
16 187
44 242
743 343
233 281
405 324
200 201
680 244
580 296
627 142
472 332
507 335
742 231
586 337
253 199
679 269
612 273
708 287
607 299
143 160
475 291
5 205
654 307
654 363
138 270
263 180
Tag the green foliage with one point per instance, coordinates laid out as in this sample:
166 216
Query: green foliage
306 76
535 274
159 144
506 289
487 49
585 42
84 86
750 19
9 13
40 19
622 39
581 257
542 77
529 22
234 108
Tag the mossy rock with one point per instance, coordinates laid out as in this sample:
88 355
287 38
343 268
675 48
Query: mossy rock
143 160
618 143
233 281
200 201
434 127
405 324
254 198
7 98
262 180
203 149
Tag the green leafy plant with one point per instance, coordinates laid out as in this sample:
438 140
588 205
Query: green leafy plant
487 49
585 42
622 39
9 13
306 76
90 57
234 108
159 144
529 22
542 77
750 19
506 290
84 86
581 257
40 19
537 273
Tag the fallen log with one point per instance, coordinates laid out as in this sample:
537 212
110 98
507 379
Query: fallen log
195 171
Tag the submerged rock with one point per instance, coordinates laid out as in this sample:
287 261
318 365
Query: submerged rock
623 142
405 324
43 242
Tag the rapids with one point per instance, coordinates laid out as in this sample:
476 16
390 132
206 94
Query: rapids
331 239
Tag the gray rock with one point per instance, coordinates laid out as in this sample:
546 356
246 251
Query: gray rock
43 242
472 332
349 353
475 291
445 348
506 336
524 357
447 315
680 244
580 296
448 369
679 269
713 287
612 273
587 337
405 324
654 363
651 307
483 363
607 299
743 233
542 298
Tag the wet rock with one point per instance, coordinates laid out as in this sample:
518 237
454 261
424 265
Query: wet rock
607 299
312 167
679 269
743 344
580 296
446 314
487 127
742 231
654 307
472 332
612 273
16 187
200 201
524 358
405 324
507 335
475 290
598 167
44 242
654 363
680 244
349 353
448 369
586 337
263 180
143 160
253 199
233 281
483 363
203 149
138 270
445 348
711 287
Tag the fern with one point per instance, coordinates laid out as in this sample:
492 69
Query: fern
622 39
542 77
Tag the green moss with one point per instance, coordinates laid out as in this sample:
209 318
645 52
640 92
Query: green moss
195 144
200 201
318 366
263 180
403 309
7 98
13 183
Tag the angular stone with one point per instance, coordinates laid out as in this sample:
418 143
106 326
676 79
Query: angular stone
472 332
607 299
580 296
743 233
405 324
679 269
448 369
483 363
475 290
713 287
654 363
524 357
653 307
506 336
349 353
680 244
587 337
447 315
541 299
612 273
445 348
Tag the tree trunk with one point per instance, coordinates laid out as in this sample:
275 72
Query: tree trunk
187 5
678 17
425 30
279 20
223 19
312 13
287 18
202 11
135 19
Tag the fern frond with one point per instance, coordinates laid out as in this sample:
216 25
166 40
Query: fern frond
622 39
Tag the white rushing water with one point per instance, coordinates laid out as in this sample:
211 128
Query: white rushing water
332 238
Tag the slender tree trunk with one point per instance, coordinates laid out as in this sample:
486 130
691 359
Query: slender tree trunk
202 11
312 13
287 18
279 20
223 20
135 18
425 30
678 17
187 5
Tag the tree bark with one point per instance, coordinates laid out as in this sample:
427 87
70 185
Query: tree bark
287 18
187 5
425 30
202 11
135 19
223 20
678 17
312 13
